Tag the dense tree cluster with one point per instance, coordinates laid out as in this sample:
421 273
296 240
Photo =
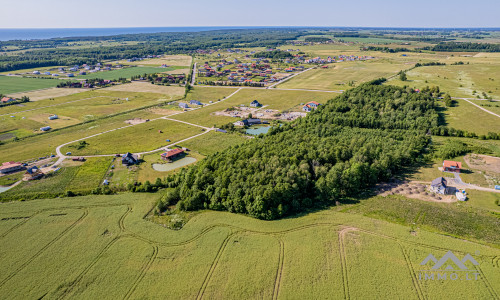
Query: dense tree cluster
466 47
275 54
355 140
317 39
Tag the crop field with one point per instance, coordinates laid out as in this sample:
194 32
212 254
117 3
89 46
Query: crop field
126 72
84 247
271 99
338 76
142 137
11 84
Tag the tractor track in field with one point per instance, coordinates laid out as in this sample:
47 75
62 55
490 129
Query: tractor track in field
279 271
215 262
413 276
18 225
343 259
492 291
89 266
121 223
144 269
496 261
40 252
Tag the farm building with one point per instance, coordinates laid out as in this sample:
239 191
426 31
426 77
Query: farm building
10 166
195 102
32 173
129 159
172 154
183 105
7 100
53 117
440 186
255 103
46 128
452 166
313 104
36 72
306 108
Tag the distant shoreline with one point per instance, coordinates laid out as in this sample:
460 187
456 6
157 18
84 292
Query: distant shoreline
8 34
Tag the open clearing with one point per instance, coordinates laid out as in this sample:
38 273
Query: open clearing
147 87
47 93
85 246
14 84
126 72
338 76
170 60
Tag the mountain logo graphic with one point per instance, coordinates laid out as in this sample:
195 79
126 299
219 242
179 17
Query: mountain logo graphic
449 256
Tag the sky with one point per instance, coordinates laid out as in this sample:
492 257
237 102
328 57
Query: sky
168 13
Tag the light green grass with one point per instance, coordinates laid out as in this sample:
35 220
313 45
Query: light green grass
466 116
338 76
138 138
83 247
125 72
11 84
213 142
90 175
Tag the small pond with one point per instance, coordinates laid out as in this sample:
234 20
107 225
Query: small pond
174 165
258 130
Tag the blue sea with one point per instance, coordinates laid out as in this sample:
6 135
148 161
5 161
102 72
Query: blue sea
48 33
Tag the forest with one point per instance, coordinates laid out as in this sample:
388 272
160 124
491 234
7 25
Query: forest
357 139
157 44
275 54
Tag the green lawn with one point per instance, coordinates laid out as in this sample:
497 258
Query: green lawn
90 175
11 84
86 247
138 138
468 117
126 72
213 142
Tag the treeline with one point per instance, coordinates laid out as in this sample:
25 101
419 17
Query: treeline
465 47
315 39
385 49
148 44
229 83
275 54
354 141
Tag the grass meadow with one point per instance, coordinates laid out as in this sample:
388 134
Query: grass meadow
139 138
87 247
11 84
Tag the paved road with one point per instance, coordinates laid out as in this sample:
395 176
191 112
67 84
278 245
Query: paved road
462 185
193 78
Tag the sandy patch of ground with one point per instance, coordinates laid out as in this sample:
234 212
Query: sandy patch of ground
146 87
483 162
163 111
261 113
48 93
136 121
413 190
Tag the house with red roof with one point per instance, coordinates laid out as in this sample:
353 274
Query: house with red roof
10 166
172 154
452 166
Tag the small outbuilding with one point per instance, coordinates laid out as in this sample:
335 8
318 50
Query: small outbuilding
255 103
129 159
452 166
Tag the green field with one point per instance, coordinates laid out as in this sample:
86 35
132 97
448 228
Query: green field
87 247
139 138
126 72
213 142
11 84
466 116
338 76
